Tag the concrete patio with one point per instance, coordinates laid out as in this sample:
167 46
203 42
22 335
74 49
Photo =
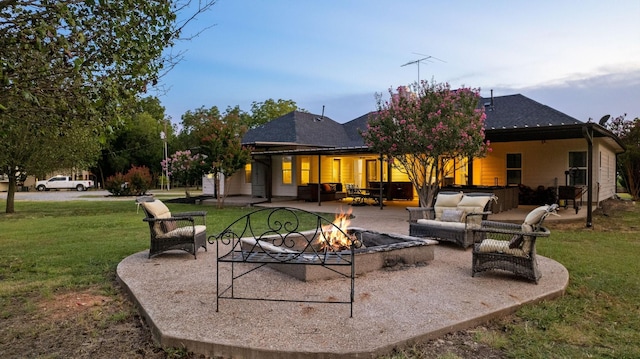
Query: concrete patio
177 296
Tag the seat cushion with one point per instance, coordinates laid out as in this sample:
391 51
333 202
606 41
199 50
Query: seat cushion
496 246
183 232
459 226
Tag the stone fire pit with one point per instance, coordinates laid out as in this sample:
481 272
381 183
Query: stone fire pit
379 250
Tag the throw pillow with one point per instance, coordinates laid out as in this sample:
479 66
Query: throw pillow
326 187
473 204
448 199
452 215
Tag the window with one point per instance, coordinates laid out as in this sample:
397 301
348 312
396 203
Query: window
514 169
286 170
247 173
305 170
577 175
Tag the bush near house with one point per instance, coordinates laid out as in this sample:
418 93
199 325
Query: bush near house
136 181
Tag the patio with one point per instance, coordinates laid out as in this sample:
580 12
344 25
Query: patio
176 294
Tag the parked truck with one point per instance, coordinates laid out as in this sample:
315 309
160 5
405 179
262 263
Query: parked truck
63 182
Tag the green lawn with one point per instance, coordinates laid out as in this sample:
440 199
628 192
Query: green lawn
48 247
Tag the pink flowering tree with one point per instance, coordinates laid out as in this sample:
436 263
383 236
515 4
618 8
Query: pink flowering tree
185 167
425 130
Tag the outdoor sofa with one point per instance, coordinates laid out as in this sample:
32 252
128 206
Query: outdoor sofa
452 218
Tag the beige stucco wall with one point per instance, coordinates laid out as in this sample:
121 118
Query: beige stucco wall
544 164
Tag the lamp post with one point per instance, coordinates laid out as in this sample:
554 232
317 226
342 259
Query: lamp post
163 136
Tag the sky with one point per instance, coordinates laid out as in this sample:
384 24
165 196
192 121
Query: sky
580 57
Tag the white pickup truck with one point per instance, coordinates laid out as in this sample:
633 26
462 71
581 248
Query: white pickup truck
63 182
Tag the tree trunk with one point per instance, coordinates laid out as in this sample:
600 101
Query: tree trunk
11 193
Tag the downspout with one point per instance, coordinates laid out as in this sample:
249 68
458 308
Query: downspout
587 132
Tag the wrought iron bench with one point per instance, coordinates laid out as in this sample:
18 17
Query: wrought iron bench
186 231
511 247
280 239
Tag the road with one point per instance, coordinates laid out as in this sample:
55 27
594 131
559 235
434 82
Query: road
64 195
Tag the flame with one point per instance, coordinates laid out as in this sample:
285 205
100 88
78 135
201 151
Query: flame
333 239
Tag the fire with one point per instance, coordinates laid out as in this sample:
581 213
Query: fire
333 239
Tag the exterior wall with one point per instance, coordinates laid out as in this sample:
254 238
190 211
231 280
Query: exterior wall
544 164
280 189
605 175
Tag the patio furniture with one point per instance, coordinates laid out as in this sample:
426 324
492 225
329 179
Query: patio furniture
511 247
272 236
186 231
452 218
356 194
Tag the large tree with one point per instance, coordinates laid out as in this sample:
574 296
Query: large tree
220 141
427 130
263 112
628 162
68 69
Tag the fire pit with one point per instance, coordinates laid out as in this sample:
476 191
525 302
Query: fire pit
378 251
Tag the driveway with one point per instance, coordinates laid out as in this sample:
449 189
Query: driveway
64 195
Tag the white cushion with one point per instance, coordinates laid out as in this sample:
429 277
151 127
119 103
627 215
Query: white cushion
473 204
436 223
183 232
157 209
446 201
496 246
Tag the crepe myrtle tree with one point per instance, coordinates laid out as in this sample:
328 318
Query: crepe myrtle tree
185 167
425 130
221 142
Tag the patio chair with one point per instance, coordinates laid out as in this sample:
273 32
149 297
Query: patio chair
186 231
511 247
356 195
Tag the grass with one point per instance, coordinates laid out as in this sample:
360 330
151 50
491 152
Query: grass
52 247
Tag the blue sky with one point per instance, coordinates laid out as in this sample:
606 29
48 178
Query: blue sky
579 57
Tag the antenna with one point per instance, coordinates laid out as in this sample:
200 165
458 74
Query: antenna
418 61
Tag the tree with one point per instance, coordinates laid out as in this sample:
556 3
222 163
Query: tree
628 163
426 130
222 146
69 69
185 167
136 141
263 112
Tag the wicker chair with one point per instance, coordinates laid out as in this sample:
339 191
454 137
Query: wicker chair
186 231
511 247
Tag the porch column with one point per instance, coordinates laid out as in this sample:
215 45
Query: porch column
587 132
319 177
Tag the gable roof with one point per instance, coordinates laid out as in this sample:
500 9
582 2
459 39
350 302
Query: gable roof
509 118
518 111
302 129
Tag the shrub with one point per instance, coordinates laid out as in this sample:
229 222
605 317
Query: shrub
139 180
117 185
136 181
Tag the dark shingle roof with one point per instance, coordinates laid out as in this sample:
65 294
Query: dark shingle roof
506 116
301 128
518 111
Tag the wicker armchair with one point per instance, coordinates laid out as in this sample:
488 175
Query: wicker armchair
511 247
186 231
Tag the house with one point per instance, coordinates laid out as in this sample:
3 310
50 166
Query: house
532 145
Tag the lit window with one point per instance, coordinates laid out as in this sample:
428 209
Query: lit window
305 170
286 170
247 173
